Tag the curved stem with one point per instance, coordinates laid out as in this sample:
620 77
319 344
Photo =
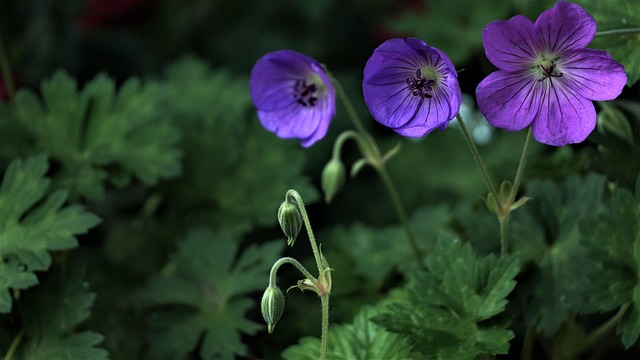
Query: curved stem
618 32
346 135
476 156
400 211
14 345
521 167
307 224
5 70
601 331
287 260
325 327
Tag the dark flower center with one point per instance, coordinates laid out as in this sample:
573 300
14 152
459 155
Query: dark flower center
548 68
419 86
305 94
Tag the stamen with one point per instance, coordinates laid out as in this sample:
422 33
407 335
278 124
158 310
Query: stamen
420 86
304 94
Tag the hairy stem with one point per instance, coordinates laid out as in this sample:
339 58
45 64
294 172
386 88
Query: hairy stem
521 167
325 327
14 345
527 346
504 234
307 224
618 32
476 156
370 150
287 260
5 71
401 213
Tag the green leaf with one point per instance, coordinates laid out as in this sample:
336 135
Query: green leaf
50 313
452 310
613 267
547 229
225 147
361 339
623 47
31 225
200 294
96 128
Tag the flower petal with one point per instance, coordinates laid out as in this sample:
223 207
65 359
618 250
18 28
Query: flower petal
432 113
564 117
273 78
510 45
509 100
593 74
565 27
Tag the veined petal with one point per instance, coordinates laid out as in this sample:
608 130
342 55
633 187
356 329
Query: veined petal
392 105
273 78
564 117
432 114
509 100
510 45
593 74
565 27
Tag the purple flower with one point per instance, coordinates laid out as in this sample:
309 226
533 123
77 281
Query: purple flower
294 96
546 77
411 87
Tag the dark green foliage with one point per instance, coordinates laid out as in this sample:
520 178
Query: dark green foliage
362 339
225 147
452 309
612 276
97 134
546 232
50 313
202 292
33 224
623 47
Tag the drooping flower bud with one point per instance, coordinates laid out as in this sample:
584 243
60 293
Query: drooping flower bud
272 307
290 221
332 178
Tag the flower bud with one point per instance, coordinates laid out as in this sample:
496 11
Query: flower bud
290 221
332 178
272 307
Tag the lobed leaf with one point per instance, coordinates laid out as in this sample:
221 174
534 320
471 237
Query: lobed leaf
32 225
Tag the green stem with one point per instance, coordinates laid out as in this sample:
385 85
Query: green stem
521 167
601 331
5 70
370 151
400 211
346 135
476 156
287 260
618 32
14 345
504 234
325 327
527 346
307 224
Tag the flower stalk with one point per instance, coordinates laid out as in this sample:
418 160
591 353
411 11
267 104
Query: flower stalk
374 157
273 301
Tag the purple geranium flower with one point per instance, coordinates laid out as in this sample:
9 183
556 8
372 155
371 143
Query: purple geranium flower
411 87
294 96
546 77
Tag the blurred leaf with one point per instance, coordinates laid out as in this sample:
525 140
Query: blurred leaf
97 134
31 225
452 26
549 225
225 148
623 47
613 120
361 339
50 313
613 262
200 294
452 309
